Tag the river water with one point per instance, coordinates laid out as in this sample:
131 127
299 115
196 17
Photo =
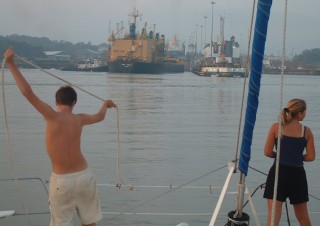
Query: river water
174 129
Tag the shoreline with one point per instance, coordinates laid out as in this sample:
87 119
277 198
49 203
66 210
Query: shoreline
292 71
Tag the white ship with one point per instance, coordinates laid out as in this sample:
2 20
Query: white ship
221 58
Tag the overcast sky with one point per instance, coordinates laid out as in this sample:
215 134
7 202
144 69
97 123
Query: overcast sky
89 20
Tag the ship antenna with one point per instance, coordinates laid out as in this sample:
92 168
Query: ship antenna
135 14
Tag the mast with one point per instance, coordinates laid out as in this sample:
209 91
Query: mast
135 14
258 47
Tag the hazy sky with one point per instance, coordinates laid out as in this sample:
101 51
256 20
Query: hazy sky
89 20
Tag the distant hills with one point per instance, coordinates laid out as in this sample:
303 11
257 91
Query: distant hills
34 47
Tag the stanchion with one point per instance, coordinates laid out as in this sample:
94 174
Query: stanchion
234 219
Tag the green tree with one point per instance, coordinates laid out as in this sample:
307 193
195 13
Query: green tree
308 57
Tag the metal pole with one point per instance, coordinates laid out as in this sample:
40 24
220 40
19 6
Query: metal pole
212 3
201 26
238 217
196 38
205 30
241 189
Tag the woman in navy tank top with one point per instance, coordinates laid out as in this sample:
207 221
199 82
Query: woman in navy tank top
296 147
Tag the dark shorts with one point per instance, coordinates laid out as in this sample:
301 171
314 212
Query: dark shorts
292 184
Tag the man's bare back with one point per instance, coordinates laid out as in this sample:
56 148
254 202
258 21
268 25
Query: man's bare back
63 134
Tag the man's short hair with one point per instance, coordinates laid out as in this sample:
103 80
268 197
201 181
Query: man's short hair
66 95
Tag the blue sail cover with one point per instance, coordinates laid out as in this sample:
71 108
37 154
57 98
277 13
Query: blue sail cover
258 46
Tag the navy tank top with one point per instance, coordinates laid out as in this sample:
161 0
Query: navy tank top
291 153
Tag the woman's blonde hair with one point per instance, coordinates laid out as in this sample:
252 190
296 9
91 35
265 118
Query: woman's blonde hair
292 109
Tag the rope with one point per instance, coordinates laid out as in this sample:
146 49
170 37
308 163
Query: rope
140 213
57 77
160 195
245 81
170 186
261 186
118 158
279 118
10 151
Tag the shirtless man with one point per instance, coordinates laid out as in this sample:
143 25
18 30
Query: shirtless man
72 184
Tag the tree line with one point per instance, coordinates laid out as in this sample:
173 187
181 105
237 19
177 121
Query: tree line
34 47
308 57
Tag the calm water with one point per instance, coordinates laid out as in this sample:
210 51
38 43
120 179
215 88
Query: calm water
173 130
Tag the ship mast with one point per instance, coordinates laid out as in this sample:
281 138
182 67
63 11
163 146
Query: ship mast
135 14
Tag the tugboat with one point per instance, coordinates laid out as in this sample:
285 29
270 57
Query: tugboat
222 58
94 65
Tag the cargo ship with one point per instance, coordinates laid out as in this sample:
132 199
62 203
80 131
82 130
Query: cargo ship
140 52
174 61
135 52
173 65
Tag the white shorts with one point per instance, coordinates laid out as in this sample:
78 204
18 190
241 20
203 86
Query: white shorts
73 192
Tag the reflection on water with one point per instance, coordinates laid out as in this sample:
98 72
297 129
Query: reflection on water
173 129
